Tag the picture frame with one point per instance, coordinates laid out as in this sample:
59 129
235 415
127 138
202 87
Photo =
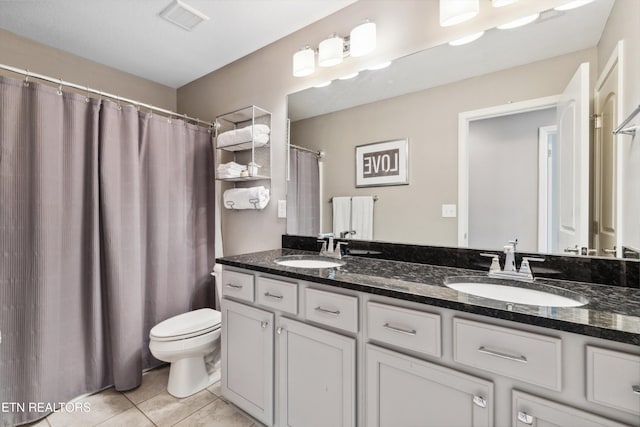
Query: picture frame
382 163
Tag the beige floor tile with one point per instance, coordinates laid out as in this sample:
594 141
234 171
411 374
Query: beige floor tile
166 410
216 389
154 382
217 414
100 407
130 418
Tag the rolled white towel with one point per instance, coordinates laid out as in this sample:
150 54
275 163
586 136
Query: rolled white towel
258 133
246 198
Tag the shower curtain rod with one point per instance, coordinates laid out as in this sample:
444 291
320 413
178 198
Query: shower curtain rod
87 89
309 150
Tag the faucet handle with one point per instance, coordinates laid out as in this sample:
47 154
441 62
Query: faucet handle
531 258
525 268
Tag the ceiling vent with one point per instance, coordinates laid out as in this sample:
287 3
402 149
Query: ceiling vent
183 15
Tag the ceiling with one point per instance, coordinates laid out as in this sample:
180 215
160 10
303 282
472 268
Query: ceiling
131 36
553 34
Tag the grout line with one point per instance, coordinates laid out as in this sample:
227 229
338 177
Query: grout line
145 415
197 410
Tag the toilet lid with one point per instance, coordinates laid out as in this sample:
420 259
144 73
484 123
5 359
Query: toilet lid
187 323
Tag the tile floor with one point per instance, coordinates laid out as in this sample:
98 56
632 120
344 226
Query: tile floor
151 405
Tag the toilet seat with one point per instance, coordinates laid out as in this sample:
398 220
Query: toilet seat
187 325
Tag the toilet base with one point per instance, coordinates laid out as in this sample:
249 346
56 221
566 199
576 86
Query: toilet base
187 376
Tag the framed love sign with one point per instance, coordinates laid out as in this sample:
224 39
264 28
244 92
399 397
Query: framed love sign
382 163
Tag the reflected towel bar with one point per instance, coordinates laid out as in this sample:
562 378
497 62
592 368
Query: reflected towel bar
375 199
631 130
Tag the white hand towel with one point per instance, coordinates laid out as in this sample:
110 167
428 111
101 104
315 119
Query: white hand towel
341 214
246 198
362 217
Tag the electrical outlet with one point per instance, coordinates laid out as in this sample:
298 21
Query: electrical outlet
449 211
282 208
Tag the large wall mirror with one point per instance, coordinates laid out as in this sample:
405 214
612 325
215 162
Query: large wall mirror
501 143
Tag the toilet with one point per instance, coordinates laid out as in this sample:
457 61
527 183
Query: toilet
184 340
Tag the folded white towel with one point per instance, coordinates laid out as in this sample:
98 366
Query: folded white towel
246 198
228 174
231 166
243 136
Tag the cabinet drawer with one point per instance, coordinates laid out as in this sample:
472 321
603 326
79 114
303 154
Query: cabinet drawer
237 285
402 327
328 308
529 410
613 379
277 294
525 356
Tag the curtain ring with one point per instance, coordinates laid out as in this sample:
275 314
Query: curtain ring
26 79
118 102
86 97
60 87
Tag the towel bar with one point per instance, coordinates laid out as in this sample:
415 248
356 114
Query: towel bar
375 199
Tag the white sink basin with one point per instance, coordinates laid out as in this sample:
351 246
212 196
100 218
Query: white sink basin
488 288
308 261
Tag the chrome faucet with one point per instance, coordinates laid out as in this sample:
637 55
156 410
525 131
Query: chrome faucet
344 234
510 271
328 249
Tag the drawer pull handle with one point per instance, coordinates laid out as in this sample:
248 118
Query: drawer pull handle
501 355
480 401
636 389
268 295
523 417
264 325
400 330
325 311
232 286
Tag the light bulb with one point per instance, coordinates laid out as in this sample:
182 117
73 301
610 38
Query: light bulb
330 51
304 62
363 39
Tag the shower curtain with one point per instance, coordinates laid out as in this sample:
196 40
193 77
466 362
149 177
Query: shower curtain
106 228
303 194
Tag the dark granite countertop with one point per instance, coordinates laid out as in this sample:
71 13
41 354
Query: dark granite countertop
612 313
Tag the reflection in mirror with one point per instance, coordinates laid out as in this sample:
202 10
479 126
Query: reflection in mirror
501 99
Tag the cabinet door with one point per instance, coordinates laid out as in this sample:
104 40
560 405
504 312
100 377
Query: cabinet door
530 410
403 391
247 359
317 376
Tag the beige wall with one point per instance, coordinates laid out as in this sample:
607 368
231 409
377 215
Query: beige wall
624 24
264 78
23 53
429 119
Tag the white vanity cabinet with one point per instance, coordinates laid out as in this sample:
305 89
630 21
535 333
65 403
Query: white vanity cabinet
405 391
247 359
317 376
302 354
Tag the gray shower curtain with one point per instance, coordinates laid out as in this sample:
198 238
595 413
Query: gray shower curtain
303 194
106 228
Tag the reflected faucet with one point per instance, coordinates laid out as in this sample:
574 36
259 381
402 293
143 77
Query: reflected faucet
344 234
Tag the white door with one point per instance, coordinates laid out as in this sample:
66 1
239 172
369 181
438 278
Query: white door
605 162
402 391
317 376
573 156
247 359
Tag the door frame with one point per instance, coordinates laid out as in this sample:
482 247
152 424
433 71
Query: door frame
464 120
543 185
616 58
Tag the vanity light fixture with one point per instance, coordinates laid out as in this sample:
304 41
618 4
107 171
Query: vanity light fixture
572 5
500 3
363 39
331 51
454 12
466 39
521 22
304 62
